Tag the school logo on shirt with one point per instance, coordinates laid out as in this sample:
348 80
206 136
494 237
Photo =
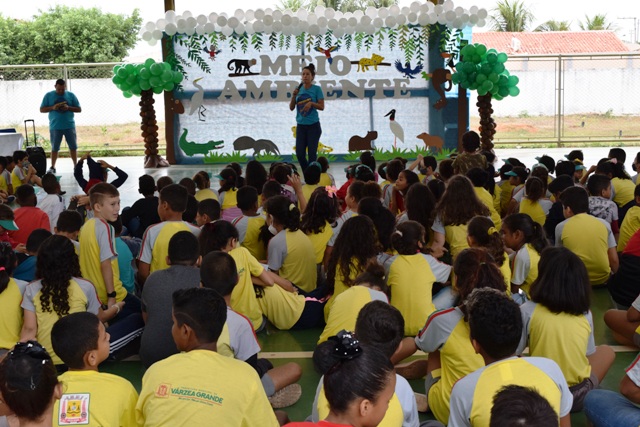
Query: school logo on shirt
186 393
163 390
74 409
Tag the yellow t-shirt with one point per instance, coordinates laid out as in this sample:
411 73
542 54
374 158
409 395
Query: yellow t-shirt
534 210
506 192
340 286
524 267
82 297
623 189
96 399
497 195
202 387
487 199
155 242
546 330
325 180
243 297
229 199
456 236
630 224
320 240
249 231
15 179
307 189
97 244
291 253
206 193
346 307
282 308
4 185
10 314
411 282
384 183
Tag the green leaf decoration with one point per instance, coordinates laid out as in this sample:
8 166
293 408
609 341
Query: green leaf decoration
256 40
358 38
403 35
380 37
409 49
393 37
318 42
281 41
244 42
233 43
273 41
299 41
328 39
309 42
368 41
348 39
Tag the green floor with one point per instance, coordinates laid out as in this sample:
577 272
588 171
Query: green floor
278 346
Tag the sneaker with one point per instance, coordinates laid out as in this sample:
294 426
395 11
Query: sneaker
413 370
52 170
421 402
286 397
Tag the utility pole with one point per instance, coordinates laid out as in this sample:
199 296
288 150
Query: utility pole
634 30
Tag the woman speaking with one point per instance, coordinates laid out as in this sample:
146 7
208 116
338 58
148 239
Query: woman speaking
307 99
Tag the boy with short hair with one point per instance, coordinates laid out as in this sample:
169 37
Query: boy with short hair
189 214
68 225
155 243
52 203
495 325
28 217
250 223
144 212
26 269
23 172
98 172
5 177
208 211
600 203
631 222
590 238
90 397
380 325
200 385
219 272
183 273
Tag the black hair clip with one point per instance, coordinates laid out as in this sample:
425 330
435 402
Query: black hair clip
347 345
33 350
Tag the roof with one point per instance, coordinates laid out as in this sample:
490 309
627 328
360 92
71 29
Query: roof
552 42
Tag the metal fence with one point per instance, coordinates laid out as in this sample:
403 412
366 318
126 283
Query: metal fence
564 99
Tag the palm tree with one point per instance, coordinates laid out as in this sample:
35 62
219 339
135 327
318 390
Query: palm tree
597 22
553 25
511 16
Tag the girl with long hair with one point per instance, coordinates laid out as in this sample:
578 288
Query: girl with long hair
322 210
203 185
481 233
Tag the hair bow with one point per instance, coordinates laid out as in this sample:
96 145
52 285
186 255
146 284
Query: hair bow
614 161
491 230
347 346
331 190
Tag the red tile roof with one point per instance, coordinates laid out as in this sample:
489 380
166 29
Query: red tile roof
552 42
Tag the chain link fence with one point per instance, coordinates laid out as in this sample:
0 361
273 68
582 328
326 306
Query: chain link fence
564 100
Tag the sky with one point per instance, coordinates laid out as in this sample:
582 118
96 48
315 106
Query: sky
152 10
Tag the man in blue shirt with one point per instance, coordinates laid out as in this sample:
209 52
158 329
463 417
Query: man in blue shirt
61 106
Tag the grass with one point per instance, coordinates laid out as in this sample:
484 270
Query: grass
214 157
269 158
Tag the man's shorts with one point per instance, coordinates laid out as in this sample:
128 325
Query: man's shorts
579 391
69 136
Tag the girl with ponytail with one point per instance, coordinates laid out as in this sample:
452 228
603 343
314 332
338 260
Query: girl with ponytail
481 233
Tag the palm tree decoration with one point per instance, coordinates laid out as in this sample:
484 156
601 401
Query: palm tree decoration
511 16
553 25
595 23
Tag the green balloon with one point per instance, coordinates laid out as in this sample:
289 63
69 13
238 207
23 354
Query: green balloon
481 78
482 91
168 86
492 58
514 91
502 57
464 84
124 86
513 80
476 58
503 80
473 86
145 85
494 90
149 62
166 66
492 50
155 81
157 90
127 94
136 90
116 80
145 74
177 77
131 79
455 78
156 69
130 68
498 97
503 91
486 69
498 68
481 49
122 73
167 76
468 50
116 68
487 85
493 77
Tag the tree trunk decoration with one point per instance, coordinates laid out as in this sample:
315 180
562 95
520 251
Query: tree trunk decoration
487 124
149 127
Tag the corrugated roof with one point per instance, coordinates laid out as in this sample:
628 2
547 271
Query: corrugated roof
552 42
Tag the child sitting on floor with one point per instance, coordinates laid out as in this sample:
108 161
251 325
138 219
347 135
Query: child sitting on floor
26 269
52 203
28 217
82 343
144 212
481 233
250 223
68 225
228 194
208 211
600 203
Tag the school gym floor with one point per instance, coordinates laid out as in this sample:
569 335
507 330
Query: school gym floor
297 346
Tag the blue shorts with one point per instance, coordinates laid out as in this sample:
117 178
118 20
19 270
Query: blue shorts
69 136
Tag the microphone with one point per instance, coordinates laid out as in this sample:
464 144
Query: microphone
300 86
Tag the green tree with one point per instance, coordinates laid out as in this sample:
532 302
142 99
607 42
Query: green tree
67 35
553 25
511 16
597 22
351 5
292 5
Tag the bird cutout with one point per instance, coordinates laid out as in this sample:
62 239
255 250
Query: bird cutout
197 100
327 52
431 141
212 51
396 128
191 148
322 149
407 71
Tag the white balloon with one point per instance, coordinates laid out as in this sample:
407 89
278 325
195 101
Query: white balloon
438 9
187 14
353 21
153 42
412 17
401 19
150 26
209 28
295 21
221 21
464 18
248 28
146 36
240 28
268 20
191 22
383 12
389 22
329 13
277 15
160 24
312 19
481 22
339 32
450 15
359 28
473 19
459 10
322 21
170 29
405 11
358 14
424 8
258 26
378 22
258 14
344 23
268 11
287 31
286 20
200 30
371 12
225 14
433 18
227 31
473 10
302 13
442 19
248 15
190 31
295 31
319 10
366 20
339 15
482 13
457 23
182 25
213 17
233 22
332 24
277 27
448 5
314 30
170 15
201 19
423 19
303 25
394 10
